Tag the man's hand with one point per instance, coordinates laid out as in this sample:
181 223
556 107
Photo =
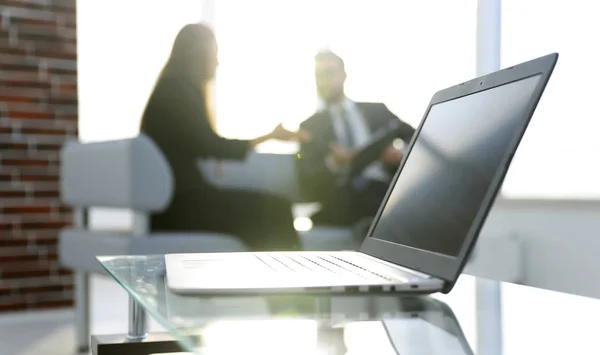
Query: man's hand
284 134
340 155
391 156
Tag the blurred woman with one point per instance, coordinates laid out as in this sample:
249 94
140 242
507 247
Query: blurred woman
178 119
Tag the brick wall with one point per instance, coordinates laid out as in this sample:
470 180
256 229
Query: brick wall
38 112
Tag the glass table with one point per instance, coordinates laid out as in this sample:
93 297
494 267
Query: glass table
346 324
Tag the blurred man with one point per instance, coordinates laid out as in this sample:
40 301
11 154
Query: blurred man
339 129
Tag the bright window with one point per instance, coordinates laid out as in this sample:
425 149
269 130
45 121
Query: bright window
397 52
122 45
558 157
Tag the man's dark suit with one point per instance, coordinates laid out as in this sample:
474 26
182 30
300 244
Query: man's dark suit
319 183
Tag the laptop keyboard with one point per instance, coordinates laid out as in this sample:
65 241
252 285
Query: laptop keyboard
323 264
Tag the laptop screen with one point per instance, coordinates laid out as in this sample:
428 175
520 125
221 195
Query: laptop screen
451 166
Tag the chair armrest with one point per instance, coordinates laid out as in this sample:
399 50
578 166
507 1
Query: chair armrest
273 173
127 173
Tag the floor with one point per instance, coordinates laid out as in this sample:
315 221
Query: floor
53 333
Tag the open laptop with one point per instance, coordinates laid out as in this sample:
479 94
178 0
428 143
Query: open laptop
431 216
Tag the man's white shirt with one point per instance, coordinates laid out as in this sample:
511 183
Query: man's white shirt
360 136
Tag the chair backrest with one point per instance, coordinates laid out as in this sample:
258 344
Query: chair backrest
273 173
127 173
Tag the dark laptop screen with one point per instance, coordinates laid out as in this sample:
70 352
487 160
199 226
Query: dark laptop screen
451 166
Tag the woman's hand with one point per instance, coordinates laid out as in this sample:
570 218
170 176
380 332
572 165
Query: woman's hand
283 134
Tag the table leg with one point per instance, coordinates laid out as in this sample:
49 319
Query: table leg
137 320
82 311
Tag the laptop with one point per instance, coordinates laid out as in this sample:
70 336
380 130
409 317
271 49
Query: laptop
431 216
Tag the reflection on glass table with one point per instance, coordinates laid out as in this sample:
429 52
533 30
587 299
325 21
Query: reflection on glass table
290 324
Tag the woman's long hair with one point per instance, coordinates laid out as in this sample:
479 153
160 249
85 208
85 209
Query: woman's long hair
190 59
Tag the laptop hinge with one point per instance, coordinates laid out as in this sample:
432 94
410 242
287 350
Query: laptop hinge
400 267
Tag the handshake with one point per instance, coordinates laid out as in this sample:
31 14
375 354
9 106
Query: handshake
342 157
283 134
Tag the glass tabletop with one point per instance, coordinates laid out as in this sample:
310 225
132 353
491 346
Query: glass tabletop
361 324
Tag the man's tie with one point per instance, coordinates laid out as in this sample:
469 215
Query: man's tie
348 141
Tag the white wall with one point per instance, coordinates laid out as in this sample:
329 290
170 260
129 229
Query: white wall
560 240
557 155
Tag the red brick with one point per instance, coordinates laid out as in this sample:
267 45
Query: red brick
19 99
12 147
56 54
74 118
61 71
8 241
66 94
42 218
13 194
12 304
28 255
63 271
29 92
32 68
53 131
46 194
67 4
29 203
64 101
46 37
20 20
28 170
42 108
49 178
24 83
24 269
22 77
29 146
43 208
45 148
46 28
65 88
24 162
15 59
5 42
39 123
19 258
30 114
50 49
42 237
66 79
55 6
67 303
7 48
28 13
38 289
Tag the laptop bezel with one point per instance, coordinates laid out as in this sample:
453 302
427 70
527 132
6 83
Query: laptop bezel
438 265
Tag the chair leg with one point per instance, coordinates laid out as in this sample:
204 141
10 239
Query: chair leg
82 311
